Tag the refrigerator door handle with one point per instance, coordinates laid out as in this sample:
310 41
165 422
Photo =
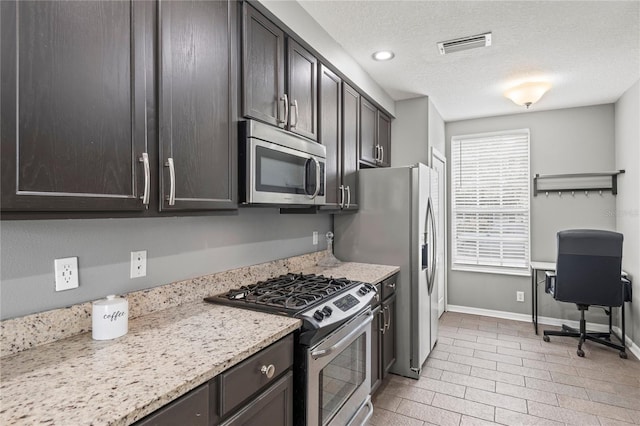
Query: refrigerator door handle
432 274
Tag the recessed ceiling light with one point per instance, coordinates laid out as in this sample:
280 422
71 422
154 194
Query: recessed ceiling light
383 55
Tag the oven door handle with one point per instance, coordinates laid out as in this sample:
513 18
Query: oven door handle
345 341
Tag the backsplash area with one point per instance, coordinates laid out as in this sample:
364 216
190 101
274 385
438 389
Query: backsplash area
33 330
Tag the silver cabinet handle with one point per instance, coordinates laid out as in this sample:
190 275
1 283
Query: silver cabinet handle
377 297
147 178
348 196
341 196
346 340
268 371
384 320
285 99
315 194
382 154
172 181
377 155
391 285
295 105
387 324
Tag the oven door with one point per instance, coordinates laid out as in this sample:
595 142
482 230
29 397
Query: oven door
281 175
339 374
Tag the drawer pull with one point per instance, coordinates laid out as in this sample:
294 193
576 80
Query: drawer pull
392 286
268 371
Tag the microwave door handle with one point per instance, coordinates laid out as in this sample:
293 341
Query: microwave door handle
317 191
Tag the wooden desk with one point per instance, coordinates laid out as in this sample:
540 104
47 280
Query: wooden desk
535 268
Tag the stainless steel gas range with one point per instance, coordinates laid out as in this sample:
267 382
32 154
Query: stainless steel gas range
332 370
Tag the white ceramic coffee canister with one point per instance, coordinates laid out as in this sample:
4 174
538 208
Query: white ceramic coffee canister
110 318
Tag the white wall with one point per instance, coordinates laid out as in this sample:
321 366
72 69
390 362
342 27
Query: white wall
570 140
436 129
295 17
627 153
177 248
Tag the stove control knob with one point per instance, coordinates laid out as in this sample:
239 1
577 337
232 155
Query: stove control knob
318 315
371 287
363 290
327 311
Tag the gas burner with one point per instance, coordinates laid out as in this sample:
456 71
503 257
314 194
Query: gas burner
292 292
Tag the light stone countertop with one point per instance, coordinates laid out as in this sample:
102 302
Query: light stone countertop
167 353
80 381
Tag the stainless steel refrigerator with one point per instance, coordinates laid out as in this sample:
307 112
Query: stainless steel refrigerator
395 225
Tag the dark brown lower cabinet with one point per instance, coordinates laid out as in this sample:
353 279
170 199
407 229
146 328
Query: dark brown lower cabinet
383 335
274 406
190 409
257 391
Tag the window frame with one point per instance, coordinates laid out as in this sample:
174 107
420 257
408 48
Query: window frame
491 269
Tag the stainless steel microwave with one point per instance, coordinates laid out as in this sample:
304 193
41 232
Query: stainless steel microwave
278 167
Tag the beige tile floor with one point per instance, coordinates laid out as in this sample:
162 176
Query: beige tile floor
486 371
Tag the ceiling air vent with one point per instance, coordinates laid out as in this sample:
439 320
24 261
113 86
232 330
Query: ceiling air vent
465 43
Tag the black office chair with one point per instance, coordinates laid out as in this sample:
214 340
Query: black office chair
588 273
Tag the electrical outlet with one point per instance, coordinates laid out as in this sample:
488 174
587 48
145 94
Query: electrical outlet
138 264
519 296
66 273
315 238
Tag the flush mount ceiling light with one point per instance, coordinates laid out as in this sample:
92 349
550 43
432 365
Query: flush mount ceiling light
527 94
383 55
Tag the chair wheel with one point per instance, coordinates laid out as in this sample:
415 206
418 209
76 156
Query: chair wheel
623 355
580 353
545 338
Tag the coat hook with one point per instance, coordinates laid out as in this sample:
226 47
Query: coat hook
573 193
586 193
560 194
601 193
546 193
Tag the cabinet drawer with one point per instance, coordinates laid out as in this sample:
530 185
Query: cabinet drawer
389 286
191 409
247 378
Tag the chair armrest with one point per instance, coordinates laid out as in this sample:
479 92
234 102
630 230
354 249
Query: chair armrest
550 282
626 289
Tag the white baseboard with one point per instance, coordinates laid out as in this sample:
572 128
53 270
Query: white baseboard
631 345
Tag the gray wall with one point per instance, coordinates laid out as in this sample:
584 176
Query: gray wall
418 126
295 17
177 248
562 141
627 125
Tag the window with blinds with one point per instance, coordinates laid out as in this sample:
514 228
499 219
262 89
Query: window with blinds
490 202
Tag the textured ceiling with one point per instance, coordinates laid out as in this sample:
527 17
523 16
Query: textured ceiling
588 50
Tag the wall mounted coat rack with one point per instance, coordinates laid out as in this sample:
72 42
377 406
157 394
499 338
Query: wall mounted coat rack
599 181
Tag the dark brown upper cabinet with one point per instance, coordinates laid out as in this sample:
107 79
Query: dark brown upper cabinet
350 138
265 96
384 140
303 91
369 150
73 105
375 136
331 134
263 69
196 155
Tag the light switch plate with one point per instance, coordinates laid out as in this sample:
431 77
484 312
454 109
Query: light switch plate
519 296
66 273
315 238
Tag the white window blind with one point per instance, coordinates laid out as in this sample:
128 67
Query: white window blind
490 202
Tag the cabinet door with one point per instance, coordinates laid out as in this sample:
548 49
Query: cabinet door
376 349
384 139
303 91
197 160
330 131
368 132
73 105
350 140
262 68
191 409
273 407
389 336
